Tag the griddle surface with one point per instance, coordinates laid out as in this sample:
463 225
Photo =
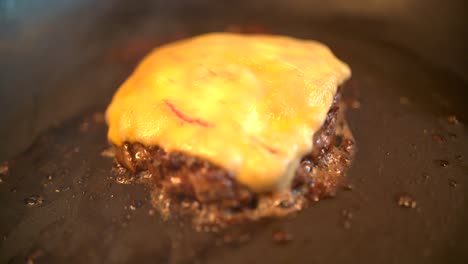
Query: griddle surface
402 133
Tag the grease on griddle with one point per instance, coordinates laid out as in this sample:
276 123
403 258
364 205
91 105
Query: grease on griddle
406 201
92 196
135 204
425 176
33 200
453 183
4 168
121 175
442 163
64 189
347 216
35 256
234 237
353 103
347 224
453 120
452 136
348 146
348 187
108 153
438 138
282 237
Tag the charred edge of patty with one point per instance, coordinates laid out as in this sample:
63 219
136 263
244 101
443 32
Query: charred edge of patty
184 177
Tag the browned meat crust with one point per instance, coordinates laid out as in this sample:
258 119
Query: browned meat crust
183 177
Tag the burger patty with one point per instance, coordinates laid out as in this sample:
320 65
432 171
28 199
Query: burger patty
183 177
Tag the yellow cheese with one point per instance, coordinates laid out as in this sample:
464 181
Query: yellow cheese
248 103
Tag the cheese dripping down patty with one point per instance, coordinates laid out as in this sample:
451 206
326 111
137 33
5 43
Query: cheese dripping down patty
247 103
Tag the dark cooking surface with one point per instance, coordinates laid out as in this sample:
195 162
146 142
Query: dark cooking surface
402 134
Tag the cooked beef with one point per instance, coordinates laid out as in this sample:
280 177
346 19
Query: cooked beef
184 177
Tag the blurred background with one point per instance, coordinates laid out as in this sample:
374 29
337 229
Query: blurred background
59 57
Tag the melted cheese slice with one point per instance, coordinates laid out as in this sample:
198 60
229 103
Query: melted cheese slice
250 104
